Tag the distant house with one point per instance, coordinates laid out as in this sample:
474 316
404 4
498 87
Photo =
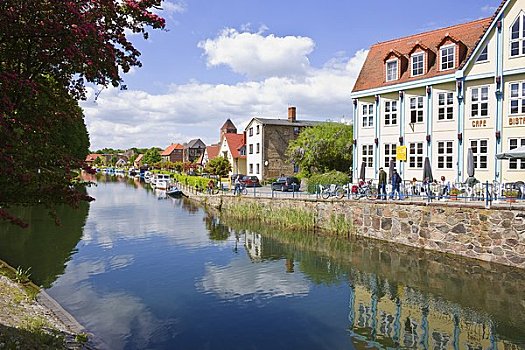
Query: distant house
138 161
90 158
211 152
267 141
193 150
173 153
121 162
233 148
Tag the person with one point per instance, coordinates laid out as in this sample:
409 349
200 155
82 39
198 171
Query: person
415 190
382 184
211 186
445 187
396 182
237 183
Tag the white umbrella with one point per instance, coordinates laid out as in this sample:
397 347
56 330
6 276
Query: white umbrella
516 153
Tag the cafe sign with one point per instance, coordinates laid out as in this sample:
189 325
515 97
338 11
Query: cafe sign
401 153
516 120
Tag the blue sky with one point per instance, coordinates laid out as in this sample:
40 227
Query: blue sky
244 58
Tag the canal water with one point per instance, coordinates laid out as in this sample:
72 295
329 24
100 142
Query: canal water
144 271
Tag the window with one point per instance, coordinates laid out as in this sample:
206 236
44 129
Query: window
251 148
416 109
484 55
391 70
517 37
251 168
445 106
257 130
417 64
517 98
515 163
480 102
390 153
250 133
242 150
479 150
258 148
448 55
368 115
258 168
390 112
445 150
415 159
368 155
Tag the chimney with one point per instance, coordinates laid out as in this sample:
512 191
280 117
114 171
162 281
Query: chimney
244 138
291 114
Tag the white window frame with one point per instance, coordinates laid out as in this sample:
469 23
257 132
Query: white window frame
415 155
258 148
519 40
445 154
442 49
391 71
367 154
483 55
416 109
479 101
390 153
391 110
250 131
445 106
517 97
480 149
257 168
251 168
516 164
250 148
413 67
367 118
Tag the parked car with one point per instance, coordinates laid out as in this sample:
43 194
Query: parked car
286 183
250 181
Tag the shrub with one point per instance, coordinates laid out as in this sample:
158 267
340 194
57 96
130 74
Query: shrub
332 177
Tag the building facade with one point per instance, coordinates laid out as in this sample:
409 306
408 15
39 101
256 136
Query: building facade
266 143
233 148
173 153
193 150
441 93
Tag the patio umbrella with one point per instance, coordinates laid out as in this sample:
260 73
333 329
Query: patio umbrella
391 168
362 172
470 163
516 153
427 170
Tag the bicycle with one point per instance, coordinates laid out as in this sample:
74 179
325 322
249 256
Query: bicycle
240 189
364 190
331 191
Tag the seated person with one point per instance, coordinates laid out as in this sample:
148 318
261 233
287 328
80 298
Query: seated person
445 187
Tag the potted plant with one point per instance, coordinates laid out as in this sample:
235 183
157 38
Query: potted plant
454 193
510 195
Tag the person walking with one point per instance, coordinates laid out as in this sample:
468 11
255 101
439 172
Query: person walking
396 183
382 184
237 190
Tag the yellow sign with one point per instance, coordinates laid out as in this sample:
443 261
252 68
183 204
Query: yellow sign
401 153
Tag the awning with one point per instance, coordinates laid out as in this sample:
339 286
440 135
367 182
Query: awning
516 153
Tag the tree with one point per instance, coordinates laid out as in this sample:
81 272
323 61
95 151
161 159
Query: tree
48 51
324 147
219 166
151 156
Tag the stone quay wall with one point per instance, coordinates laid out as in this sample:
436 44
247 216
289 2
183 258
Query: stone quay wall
466 229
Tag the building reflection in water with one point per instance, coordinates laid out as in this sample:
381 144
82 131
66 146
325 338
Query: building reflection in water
385 315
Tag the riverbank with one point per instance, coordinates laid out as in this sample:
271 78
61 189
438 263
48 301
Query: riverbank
32 320
466 229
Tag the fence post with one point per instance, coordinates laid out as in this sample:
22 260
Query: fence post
487 202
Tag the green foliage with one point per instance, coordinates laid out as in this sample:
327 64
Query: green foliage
321 148
21 275
178 166
219 166
151 156
332 177
98 161
192 181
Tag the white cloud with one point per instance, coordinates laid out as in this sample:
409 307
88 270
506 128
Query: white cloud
256 55
489 9
173 7
137 118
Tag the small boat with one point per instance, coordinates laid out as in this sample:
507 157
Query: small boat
174 192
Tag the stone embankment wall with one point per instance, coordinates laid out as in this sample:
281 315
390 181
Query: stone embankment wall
495 235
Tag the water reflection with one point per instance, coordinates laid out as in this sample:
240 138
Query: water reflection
44 246
406 298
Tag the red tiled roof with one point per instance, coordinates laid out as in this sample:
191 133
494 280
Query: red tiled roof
213 151
171 148
91 157
235 141
372 74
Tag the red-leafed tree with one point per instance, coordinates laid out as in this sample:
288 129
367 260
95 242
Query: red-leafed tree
49 49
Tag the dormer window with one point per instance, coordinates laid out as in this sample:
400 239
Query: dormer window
447 57
517 37
391 70
418 66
